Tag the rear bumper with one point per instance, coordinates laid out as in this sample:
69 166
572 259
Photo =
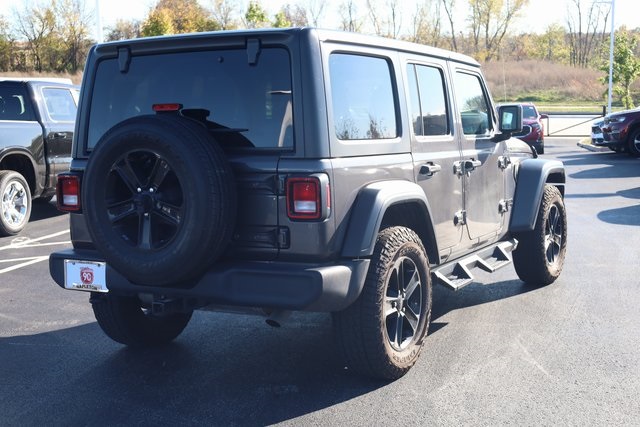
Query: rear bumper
290 286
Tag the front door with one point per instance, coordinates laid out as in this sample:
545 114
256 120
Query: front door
480 168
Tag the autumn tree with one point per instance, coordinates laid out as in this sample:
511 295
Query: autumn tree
586 21
626 66
158 23
74 32
314 9
256 15
37 25
124 29
7 46
449 6
386 19
349 14
427 23
489 21
224 12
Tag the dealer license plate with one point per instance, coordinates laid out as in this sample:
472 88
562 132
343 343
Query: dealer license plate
85 276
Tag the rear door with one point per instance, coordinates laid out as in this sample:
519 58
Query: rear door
435 149
59 116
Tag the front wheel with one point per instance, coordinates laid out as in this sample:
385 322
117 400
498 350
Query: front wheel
15 197
382 333
124 320
541 251
634 143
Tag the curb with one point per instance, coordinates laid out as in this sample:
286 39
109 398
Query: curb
593 147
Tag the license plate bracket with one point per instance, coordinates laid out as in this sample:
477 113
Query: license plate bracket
89 276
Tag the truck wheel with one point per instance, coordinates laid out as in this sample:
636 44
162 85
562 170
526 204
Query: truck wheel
382 333
634 143
125 321
16 202
541 252
159 200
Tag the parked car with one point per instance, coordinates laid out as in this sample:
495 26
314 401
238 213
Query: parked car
37 120
621 131
298 169
596 132
532 126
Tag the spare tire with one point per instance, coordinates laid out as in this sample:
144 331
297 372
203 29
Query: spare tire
159 199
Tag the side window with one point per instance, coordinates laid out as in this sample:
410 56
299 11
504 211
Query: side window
60 104
364 105
429 113
472 104
14 104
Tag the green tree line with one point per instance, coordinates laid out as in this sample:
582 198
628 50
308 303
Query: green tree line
55 36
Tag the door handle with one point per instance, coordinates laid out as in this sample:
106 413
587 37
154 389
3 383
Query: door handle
472 164
465 167
430 169
60 135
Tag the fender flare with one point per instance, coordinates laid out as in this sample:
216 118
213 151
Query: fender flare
24 152
369 209
533 174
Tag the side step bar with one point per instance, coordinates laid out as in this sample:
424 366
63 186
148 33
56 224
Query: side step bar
457 274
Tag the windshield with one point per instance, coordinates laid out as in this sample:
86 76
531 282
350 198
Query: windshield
529 112
248 104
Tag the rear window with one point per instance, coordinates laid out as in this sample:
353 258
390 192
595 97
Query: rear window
14 103
363 100
248 105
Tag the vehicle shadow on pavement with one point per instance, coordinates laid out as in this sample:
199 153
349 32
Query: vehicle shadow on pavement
223 370
612 165
44 210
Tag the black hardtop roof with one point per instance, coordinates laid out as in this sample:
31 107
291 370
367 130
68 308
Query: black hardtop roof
323 35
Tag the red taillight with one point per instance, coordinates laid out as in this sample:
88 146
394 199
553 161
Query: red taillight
163 108
68 193
303 198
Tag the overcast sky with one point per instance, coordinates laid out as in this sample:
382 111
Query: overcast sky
537 17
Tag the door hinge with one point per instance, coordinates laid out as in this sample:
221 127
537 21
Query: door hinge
503 162
505 205
460 218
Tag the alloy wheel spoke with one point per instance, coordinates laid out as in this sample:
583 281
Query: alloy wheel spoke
159 173
127 174
168 212
118 211
145 239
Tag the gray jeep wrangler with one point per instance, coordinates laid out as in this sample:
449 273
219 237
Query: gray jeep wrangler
297 169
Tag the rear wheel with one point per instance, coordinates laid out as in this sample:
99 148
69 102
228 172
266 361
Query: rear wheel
541 252
382 333
15 199
124 320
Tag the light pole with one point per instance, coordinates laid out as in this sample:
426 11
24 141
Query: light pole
613 17
98 23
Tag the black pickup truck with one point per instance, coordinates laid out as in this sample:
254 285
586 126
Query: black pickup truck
37 119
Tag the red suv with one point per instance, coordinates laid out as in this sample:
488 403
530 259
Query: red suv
532 126
621 131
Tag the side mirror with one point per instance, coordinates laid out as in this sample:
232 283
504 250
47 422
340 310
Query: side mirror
544 116
510 119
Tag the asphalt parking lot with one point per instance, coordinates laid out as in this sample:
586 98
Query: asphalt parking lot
502 354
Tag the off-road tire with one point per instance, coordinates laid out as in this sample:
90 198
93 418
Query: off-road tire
159 199
374 334
540 255
125 321
15 202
